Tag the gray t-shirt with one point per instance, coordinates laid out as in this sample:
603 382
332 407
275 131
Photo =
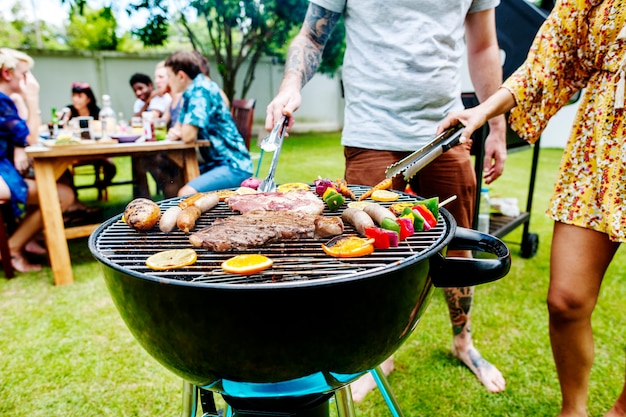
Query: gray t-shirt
402 68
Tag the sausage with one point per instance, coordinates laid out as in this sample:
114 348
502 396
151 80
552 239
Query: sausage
378 212
358 218
168 219
207 202
187 218
190 201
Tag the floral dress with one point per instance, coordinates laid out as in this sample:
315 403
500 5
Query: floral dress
582 44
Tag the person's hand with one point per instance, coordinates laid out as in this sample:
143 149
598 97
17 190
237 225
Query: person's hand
30 87
495 143
495 155
174 132
472 119
286 102
20 160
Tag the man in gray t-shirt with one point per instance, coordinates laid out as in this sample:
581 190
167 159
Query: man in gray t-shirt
401 76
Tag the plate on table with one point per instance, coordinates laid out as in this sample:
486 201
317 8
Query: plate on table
126 137
66 142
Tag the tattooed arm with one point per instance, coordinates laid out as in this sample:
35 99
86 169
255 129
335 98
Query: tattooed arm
303 58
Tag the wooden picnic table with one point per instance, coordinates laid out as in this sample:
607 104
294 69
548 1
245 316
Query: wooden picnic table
49 163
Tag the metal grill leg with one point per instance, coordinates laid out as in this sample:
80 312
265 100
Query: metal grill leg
345 405
190 400
387 393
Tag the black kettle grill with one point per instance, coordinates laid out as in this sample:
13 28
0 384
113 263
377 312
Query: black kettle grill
287 339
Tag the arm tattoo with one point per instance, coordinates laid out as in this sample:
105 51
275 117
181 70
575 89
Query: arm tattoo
306 49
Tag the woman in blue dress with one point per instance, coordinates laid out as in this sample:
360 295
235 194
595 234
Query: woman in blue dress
15 132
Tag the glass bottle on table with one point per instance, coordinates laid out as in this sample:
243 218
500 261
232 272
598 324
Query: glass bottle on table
122 122
53 127
107 118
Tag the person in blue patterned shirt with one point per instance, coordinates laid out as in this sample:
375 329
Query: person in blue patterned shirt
204 115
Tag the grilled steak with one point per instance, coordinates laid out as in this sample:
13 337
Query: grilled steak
258 228
298 201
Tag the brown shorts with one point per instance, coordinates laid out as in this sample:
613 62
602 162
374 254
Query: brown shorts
450 174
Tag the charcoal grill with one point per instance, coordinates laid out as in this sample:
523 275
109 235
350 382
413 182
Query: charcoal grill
283 340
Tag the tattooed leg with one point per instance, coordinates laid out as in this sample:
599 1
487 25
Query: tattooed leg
459 301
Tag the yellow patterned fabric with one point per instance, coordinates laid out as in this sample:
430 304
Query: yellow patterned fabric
581 44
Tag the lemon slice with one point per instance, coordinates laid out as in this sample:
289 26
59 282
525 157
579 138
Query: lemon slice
247 264
385 195
293 186
358 204
171 259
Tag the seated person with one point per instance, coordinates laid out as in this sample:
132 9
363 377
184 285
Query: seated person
167 175
174 127
84 103
148 99
170 115
204 115
15 134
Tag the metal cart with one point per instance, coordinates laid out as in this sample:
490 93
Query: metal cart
517 22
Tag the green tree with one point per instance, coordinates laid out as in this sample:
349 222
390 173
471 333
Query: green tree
22 33
237 33
91 29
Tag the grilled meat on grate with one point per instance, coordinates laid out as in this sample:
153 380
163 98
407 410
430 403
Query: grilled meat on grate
299 201
258 227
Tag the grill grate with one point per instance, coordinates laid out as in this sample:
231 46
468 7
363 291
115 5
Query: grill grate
300 260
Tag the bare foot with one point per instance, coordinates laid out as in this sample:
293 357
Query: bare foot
21 264
486 373
362 386
35 248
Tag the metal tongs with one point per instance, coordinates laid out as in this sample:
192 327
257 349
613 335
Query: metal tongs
272 143
410 165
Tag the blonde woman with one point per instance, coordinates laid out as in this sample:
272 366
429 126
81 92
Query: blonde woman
16 78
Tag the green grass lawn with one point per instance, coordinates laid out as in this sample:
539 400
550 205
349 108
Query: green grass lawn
64 351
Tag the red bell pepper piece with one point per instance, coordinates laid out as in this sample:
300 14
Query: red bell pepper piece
406 227
427 215
380 236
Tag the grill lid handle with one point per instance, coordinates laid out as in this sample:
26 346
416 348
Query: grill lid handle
466 272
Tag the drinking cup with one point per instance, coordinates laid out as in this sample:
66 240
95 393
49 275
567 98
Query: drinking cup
85 127
136 125
160 129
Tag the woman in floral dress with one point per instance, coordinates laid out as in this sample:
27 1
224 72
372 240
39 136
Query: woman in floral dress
582 44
